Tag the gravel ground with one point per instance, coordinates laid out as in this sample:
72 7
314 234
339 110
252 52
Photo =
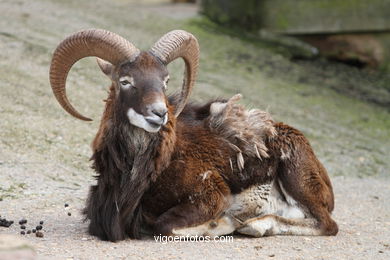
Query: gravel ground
362 212
44 152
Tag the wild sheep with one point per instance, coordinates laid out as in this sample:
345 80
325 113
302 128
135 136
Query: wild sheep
175 168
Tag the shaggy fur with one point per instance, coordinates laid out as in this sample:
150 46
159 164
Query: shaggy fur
125 165
187 173
244 130
209 167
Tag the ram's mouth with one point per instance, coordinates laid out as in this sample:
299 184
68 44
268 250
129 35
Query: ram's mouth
153 124
156 122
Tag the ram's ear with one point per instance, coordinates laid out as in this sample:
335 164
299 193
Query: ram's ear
105 67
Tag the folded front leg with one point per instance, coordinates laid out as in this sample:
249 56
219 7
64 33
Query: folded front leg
219 227
275 225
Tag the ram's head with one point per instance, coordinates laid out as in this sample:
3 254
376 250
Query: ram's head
139 78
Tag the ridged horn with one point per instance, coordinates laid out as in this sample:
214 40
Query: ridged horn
93 42
175 44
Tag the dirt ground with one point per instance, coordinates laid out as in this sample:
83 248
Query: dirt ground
44 153
363 215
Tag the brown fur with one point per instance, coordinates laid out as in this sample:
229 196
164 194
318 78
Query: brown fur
184 175
307 180
304 177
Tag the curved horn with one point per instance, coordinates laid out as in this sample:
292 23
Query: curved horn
94 42
182 44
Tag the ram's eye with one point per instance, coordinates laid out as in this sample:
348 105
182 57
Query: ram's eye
126 82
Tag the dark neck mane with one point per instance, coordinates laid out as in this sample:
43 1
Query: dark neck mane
126 162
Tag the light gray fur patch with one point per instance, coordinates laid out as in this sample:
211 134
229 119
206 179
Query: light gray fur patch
205 175
244 130
217 107
284 155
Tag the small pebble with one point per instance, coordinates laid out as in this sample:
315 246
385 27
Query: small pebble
39 234
66 205
22 232
34 230
41 222
23 227
69 214
22 221
39 227
28 231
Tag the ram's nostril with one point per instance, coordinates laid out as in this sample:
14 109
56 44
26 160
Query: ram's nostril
160 112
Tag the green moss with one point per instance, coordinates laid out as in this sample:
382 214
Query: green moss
13 191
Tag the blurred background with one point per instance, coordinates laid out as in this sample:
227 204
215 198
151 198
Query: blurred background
321 66
355 32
